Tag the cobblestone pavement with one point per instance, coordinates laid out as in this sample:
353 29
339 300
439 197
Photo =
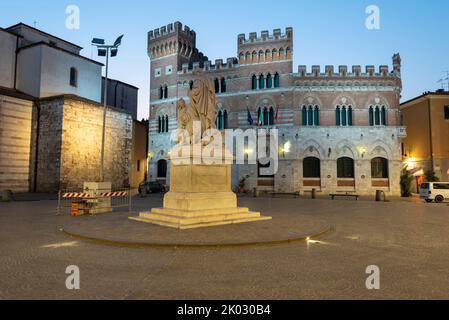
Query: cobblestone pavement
409 241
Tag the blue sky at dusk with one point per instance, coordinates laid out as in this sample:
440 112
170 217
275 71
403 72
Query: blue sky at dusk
326 32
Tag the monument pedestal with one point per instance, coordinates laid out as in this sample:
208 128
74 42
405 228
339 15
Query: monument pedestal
200 196
99 204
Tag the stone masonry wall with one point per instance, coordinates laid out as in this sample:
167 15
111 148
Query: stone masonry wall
70 144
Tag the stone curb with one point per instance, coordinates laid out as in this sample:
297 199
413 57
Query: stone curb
142 245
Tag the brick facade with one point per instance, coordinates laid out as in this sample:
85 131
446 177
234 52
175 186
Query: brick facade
262 77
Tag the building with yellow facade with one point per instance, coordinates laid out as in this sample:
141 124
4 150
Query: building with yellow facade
426 146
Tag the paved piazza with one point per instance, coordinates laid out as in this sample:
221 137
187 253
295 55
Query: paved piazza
407 239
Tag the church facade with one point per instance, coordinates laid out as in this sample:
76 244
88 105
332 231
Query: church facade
339 128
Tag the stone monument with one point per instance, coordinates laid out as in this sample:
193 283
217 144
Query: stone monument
200 194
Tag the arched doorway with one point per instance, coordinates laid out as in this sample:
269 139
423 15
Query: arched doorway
162 170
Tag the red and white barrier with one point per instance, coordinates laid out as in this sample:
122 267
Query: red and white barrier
114 194
76 195
69 195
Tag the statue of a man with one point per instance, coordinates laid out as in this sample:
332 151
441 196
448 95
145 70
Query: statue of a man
185 117
202 101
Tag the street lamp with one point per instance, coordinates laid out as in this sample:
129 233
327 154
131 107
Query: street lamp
103 51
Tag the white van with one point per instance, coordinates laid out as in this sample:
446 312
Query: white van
434 191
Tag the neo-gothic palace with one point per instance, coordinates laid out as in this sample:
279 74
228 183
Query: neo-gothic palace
344 126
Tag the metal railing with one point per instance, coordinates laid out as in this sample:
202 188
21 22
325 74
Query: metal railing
87 202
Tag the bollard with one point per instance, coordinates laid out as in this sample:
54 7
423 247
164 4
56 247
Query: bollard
378 195
6 195
313 193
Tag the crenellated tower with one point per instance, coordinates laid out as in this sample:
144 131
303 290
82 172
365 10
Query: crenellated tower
169 47
266 48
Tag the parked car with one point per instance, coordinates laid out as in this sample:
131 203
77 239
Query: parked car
151 187
434 191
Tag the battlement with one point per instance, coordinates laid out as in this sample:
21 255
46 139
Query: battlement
265 36
343 71
170 29
207 66
356 71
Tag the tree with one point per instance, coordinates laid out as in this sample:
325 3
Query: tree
406 185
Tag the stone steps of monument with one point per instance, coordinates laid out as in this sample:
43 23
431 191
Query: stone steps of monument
202 224
197 213
181 220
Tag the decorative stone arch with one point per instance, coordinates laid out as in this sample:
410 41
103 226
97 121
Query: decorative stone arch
343 100
380 149
346 148
312 100
265 101
312 149
162 111
377 100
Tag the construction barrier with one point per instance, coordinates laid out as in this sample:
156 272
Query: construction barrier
78 202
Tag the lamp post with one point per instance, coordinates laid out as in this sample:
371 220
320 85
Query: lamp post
103 51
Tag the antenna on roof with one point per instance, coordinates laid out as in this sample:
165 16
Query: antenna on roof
444 81
35 23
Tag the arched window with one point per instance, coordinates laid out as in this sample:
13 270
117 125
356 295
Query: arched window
261 82
191 84
74 77
259 117
261 56
241 58
248 58
316 116
274 55
310 116
162 124
265 117
377 116
276 80
269 81
311 167
337 116
379 168
350 116
383 116
161 93
165 92
267 55
217 85
281 54
255 57
166 123
225 120
219 120
162 169
271 117
345 168
288 53
304 116
159 125
223 85
343 116
254 82
371 116
344 120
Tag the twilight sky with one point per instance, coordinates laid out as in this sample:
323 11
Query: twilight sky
326 32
